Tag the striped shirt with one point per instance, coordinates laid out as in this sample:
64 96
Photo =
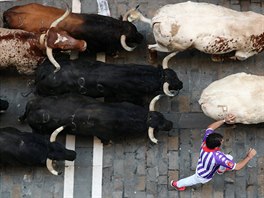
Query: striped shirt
211 159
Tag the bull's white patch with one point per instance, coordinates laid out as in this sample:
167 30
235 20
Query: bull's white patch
60 39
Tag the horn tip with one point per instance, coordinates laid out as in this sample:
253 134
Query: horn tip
155 141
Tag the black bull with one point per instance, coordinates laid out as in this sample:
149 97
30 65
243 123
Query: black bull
88 117
30 149
127 82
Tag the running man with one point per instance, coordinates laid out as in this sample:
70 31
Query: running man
211 159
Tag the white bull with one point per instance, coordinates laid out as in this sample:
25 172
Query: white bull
240 94
209 28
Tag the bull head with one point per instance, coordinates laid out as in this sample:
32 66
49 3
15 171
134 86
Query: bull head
134 15
123 37
53 39
156 120
172 81
48 49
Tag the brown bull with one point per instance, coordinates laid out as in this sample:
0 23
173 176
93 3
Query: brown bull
102 33
25 50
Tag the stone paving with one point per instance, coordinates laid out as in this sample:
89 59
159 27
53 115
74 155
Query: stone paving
134 167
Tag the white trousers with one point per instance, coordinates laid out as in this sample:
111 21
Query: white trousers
192 180
196 179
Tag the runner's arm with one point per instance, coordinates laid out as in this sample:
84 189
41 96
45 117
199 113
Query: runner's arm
251 153
229 119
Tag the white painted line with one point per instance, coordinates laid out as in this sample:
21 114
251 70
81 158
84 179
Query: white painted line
97 173
69 169
76 8
97 180
103 8
70 140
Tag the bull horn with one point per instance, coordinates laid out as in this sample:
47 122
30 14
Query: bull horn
53 136
50 167
151 135
124 45
167 91
152 108
42 39
133 15
57 21
125 17
51 58
48 49
49 161
153 102
166 60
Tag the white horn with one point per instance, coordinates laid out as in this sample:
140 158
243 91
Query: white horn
50 167
151 135
134 15
55 133
124 45
153 102
166 60
166 90
57 21
51 58
48 49
125 17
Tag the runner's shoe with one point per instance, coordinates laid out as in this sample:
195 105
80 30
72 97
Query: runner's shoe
174 185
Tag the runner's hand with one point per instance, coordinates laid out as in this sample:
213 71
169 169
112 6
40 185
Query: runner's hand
230 119
251 153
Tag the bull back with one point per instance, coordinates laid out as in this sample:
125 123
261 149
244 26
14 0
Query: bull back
88 118
97 79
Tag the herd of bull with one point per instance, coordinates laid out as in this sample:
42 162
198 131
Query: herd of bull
66 95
